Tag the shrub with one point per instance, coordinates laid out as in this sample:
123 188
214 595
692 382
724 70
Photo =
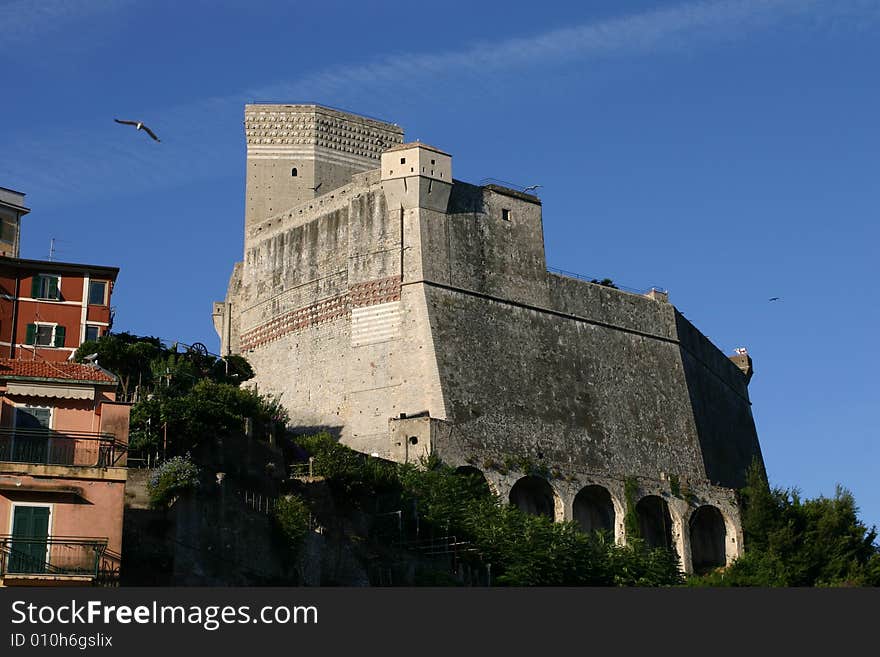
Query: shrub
291 516
170 479
352 474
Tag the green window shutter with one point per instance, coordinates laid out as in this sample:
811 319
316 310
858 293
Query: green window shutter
35 287
30 334
53 288
59 336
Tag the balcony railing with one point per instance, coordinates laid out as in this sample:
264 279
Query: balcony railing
55 555
49 447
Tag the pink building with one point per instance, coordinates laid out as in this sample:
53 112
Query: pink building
63 442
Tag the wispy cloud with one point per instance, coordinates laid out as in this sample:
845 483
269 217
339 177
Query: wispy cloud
24 20
204 138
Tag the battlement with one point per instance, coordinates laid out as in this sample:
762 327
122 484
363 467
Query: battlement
296 153
270 128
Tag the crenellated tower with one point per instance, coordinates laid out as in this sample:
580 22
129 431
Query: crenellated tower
296 153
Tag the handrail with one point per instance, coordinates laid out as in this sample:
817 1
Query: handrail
52 447
86 540
51 555
54 433
594 279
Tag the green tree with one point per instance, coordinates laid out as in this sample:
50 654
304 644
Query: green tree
126 355
524 550
790 541
291 515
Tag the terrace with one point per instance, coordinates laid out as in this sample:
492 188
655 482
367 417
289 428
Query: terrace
50 560
65 448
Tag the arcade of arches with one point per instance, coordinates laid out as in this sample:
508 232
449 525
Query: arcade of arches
593 509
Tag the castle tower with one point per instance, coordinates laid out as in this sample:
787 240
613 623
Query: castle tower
416 175
298 152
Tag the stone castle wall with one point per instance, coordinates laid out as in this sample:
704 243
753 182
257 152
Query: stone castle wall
410 314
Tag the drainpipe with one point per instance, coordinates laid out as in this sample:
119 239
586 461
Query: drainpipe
14 315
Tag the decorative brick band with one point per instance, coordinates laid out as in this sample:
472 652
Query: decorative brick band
381 290
371 293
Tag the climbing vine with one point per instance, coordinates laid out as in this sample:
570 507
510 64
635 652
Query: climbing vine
631 518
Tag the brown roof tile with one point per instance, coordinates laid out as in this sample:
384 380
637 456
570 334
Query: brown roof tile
32 369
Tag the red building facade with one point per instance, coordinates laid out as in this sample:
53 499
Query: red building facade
47 309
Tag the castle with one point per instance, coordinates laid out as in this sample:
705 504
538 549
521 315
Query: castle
411 313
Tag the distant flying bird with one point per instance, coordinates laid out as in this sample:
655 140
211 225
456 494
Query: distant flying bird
531 187
315 188
774 299
140 126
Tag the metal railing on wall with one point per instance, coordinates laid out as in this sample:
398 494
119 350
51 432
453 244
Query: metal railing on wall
50 447
54 555
598 281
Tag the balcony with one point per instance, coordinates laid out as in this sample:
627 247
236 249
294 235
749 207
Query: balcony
50 560
67 448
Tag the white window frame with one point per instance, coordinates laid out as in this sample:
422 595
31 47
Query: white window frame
51 344
51 410
15 426
50 530
86 332
104 300
58 276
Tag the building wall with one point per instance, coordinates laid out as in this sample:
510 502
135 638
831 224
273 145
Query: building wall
86 500
95 510
67 414
71 310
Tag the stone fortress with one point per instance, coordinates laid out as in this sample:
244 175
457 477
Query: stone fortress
411 313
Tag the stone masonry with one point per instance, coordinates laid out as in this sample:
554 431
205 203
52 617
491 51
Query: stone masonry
410 313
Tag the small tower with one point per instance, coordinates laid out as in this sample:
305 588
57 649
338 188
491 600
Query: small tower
298 152
417 175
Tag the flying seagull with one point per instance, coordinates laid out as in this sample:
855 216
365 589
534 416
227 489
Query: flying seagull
140 126
531 187
774 299
315 188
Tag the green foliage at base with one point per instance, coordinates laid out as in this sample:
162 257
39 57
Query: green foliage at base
351 473
523 550
203 411
291 516
172 478
790 541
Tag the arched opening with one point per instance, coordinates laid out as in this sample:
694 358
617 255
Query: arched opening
708 539
535 496
477 483
293 172
655 523
593 510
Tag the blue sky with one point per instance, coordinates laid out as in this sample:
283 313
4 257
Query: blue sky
727 151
